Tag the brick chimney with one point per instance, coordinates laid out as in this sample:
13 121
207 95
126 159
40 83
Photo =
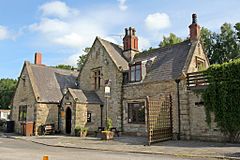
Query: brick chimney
194 28
38 58
130 43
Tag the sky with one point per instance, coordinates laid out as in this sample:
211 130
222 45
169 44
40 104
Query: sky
60 30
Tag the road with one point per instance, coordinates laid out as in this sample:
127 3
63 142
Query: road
14 149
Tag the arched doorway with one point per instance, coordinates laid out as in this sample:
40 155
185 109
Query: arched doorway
68 120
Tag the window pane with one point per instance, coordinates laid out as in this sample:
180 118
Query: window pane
95 82
138 75
141 114
136 113
129 113
99 82
138 67
97 79
22 113
132 75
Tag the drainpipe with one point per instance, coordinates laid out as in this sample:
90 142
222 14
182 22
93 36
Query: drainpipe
59 117
101 106
178 107
122 114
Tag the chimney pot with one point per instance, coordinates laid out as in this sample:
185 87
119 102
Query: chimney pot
130 43
126 31
194 18
134 31
38 58
130 31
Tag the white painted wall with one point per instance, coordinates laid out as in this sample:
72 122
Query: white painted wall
4 114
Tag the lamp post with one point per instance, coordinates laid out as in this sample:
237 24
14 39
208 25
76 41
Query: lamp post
107 95
101 106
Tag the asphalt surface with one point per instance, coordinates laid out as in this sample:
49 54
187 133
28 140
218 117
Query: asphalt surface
15 149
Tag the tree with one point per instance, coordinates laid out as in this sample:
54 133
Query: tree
224 46
83 57
170 40
63 66
7 89
237 28
207 42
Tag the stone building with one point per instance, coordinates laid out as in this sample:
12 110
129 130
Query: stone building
135 75
132 76
39 93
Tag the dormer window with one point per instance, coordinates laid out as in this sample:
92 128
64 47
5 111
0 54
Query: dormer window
135 72
200 64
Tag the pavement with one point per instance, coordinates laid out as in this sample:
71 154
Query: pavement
208 150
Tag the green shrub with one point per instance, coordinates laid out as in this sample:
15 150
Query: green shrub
109 124
222 97
79 129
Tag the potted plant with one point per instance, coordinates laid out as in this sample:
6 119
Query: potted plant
77 130
81 131
107 134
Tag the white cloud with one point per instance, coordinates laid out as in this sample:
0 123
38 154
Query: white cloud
57 9
3 33
72 60
122 5
157 21
78 31
64 29
47 25
143 43
70 40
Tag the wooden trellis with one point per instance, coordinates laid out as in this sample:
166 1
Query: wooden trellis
159 119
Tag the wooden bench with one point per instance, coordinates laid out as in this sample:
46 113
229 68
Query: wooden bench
48 129
116 132
100 129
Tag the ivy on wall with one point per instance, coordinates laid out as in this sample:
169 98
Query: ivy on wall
222 97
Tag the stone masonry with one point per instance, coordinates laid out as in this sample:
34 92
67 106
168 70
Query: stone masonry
98 58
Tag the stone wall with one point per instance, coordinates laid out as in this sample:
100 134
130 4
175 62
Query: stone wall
98 58
95 111
138 92
23 96
198 126
46 114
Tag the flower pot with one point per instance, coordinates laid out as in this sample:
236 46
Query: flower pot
107 135
83 133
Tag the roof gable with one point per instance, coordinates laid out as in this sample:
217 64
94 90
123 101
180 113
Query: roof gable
89 97
50 83
115 52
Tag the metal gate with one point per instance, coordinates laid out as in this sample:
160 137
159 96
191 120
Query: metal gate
159 119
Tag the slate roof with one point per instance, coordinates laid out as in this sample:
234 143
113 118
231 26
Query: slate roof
115 52
81 96
169 61
51 82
